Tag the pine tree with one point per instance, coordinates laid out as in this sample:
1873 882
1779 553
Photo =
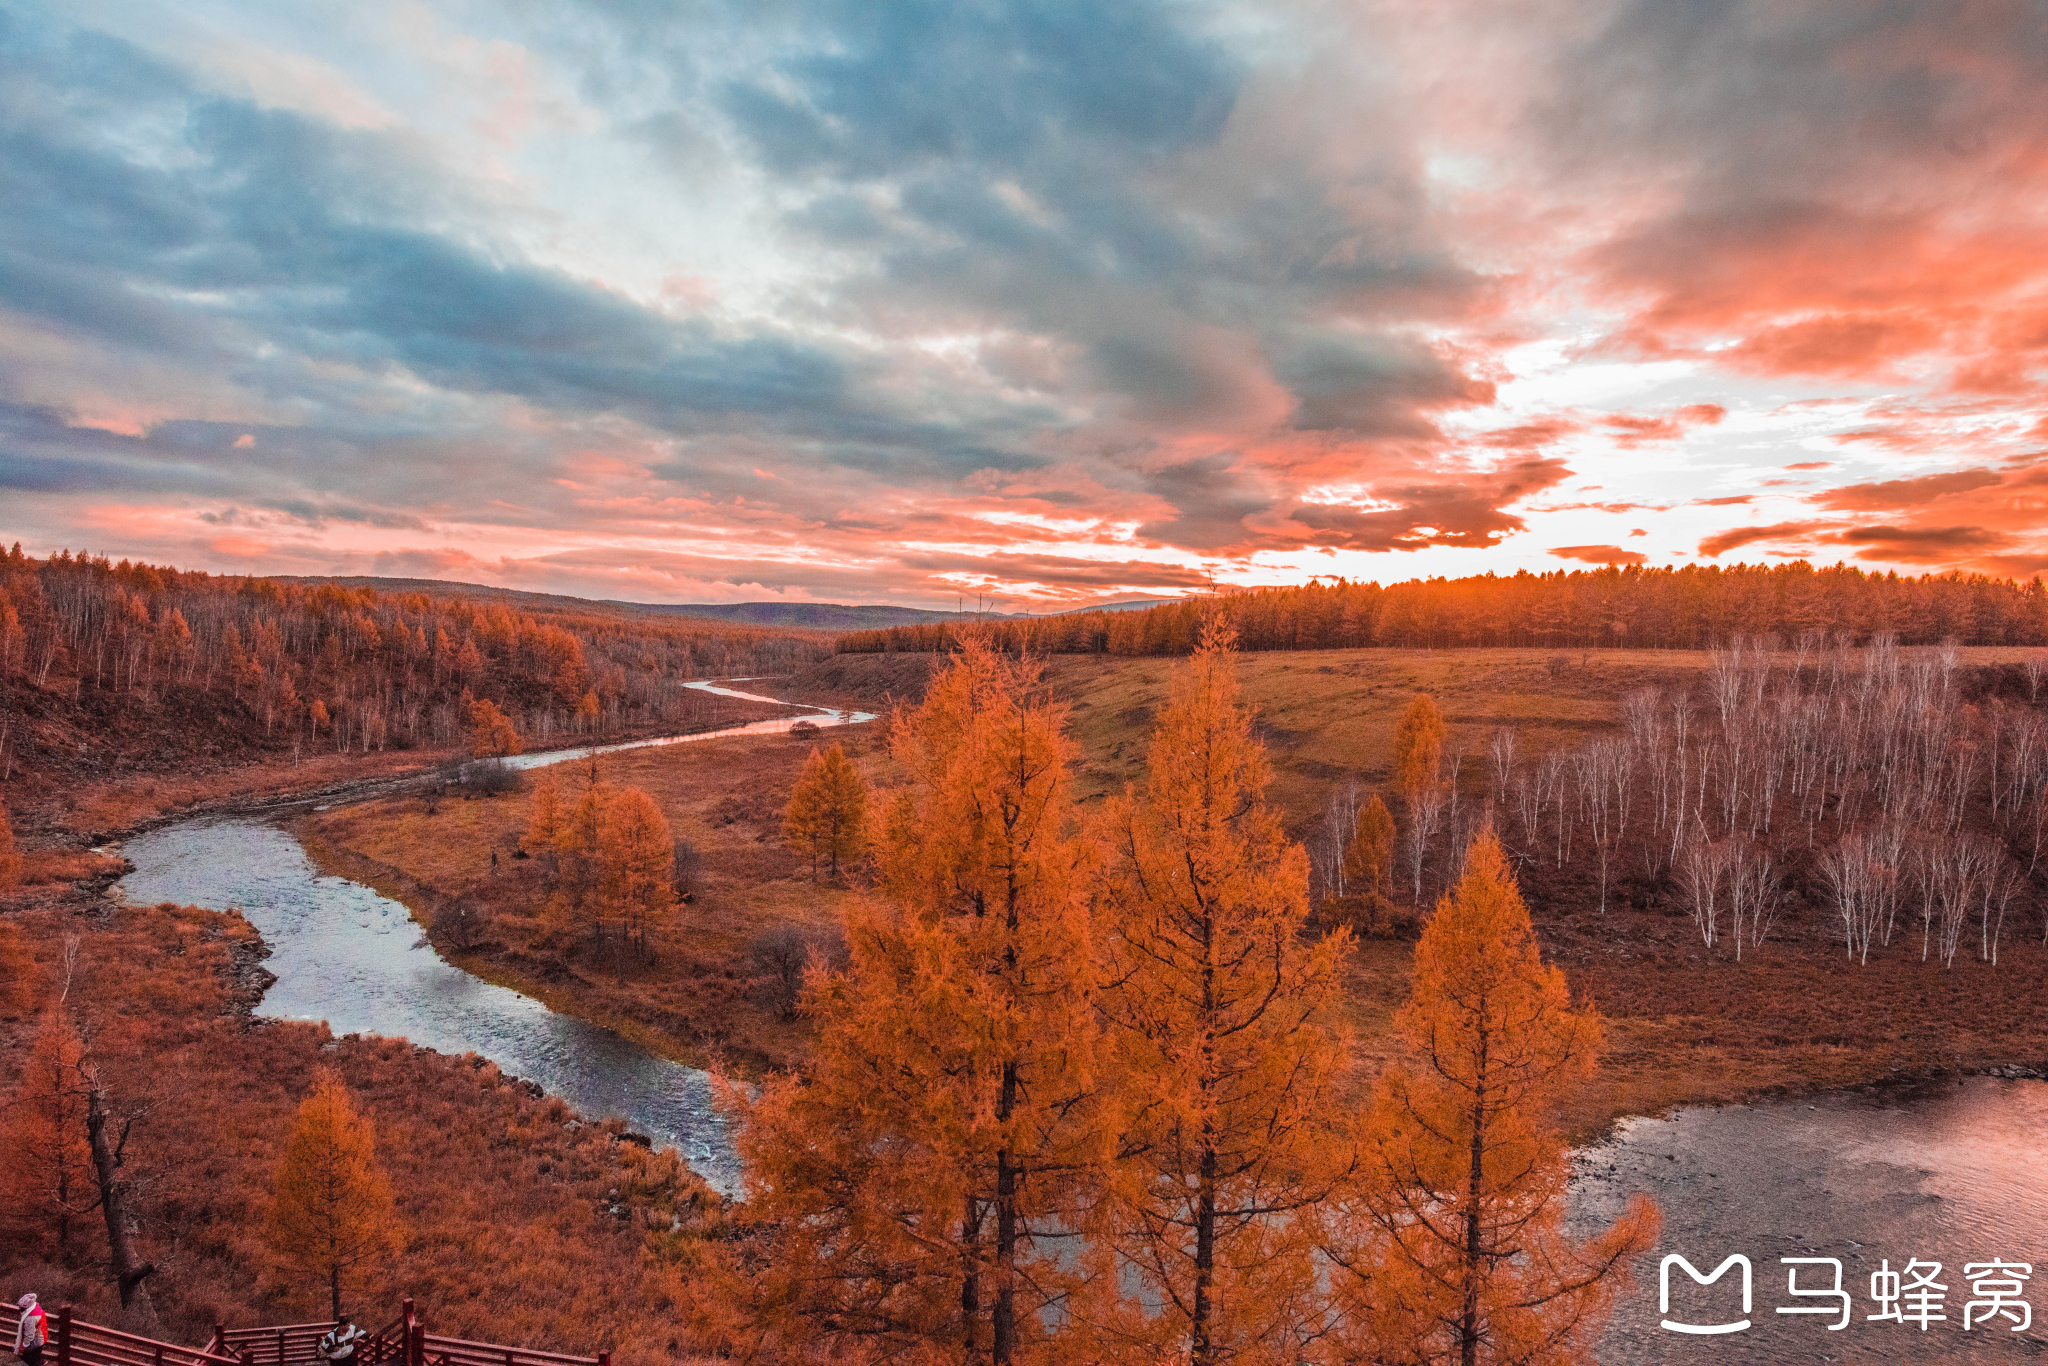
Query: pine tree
636 860
1224 1044
826 819
1448 1246
332 1211
909 1180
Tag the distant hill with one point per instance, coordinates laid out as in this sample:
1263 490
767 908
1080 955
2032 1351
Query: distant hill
822 616
831 616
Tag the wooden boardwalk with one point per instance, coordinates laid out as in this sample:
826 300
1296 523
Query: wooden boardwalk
403 1342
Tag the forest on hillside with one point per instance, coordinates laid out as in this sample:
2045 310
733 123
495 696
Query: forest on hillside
287 668
1689 608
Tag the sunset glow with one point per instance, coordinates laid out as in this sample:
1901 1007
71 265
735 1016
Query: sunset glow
856 302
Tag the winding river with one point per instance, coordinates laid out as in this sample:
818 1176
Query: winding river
349 956
1874 1178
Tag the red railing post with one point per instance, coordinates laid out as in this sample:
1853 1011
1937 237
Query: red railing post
416 1346
604 1359
64 1335
280 1347
157 1355
219 1345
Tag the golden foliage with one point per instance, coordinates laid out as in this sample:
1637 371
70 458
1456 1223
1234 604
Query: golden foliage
332 1211
1369 857
491 732
1419 748
636 863
1224 1050
826 819
46 1179
904 1191
546 816
1449 1245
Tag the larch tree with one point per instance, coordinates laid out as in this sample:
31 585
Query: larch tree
545 815
1220 1022
48 1172
912 1182
636 859
491 732
1447 1244
826 819
332 1209
1369 858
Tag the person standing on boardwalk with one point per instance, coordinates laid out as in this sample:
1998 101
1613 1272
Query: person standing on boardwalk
33 1331
339 1346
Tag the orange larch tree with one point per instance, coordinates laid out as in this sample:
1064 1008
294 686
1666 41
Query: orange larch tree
48 1168
636 861
826 819
1220 1020
1447 1246
332 1212
916 1186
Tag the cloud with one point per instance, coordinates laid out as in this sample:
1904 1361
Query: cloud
1599 554
1905 493
1633 431
1471 514
1923 545
1722 542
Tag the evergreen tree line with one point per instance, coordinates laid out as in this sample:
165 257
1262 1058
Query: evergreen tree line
354 669
1687 608
1861 781
1081 1091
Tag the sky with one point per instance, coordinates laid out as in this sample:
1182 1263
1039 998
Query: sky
1046 303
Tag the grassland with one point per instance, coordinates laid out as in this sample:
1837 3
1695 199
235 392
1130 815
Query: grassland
1686 1026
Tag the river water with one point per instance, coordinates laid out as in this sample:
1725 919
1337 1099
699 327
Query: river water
349 956
1935 1172
1938 1172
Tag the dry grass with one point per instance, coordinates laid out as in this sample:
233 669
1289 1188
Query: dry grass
522 1226
1685 1028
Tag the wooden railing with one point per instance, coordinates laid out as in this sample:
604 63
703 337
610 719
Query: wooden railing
403 1342
74 1342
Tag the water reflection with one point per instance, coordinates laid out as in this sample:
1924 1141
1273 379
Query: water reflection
824 717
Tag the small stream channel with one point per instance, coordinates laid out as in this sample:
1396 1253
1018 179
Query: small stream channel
354 958
1936 1171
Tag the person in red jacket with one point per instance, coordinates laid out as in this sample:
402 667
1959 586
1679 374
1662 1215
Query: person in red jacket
33 1332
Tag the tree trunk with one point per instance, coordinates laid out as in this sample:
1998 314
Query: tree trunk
1468 1334
1005 1312
129 1271
1202 1350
